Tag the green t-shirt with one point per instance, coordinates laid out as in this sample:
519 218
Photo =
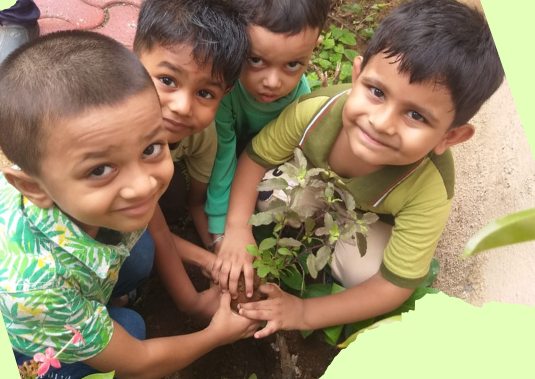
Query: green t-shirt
239 117
52 274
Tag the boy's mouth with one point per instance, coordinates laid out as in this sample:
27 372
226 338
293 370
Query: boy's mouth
138 209
175 127
373 140
266 97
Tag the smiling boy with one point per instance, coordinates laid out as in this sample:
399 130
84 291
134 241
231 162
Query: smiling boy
283 35
83 124
427 71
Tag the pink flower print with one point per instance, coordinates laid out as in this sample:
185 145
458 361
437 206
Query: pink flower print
46 360
77 335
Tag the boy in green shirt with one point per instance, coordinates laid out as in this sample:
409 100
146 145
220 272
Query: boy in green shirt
283 35
385 139
83 124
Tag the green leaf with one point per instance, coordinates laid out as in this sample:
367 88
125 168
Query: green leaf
323 256
253 376
328 43
324 55
348 38
335 58
332 334
108 375
367 33
306 333
284 251
362 244
339 48
324 63
253 250
355 8
261 218
262 271
434 268
292 278
300 157
337 32
272 184
353 337
311 264
511 229
317 290
289 242
350 55
369 218
378 7
309 225
267 244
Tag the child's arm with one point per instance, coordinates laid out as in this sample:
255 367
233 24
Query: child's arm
218 192
196 202
282 311
168 262
155 358
232 256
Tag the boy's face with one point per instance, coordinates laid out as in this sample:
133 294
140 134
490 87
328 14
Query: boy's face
189 95
108 166
389 121
277 62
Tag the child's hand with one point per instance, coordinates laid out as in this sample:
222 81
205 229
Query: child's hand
230 326
232 258
208 302
281 310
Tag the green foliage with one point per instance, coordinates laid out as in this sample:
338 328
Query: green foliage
288 254
333 58
514 228
108 375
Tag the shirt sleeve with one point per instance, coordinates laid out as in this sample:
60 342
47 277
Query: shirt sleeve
417 230
218 191
36 320
275 144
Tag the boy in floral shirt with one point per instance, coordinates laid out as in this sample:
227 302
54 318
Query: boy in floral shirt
83 124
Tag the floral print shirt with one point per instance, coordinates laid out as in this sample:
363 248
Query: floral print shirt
52 274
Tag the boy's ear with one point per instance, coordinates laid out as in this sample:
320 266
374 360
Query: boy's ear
28 186
357 64
455 136
319 41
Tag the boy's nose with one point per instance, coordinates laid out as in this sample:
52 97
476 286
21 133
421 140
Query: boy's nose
383 121
272 79
181 103
139 186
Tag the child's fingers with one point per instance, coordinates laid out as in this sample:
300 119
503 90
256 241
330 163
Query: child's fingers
248 274
224 276
271 290
234 277
216 269
270 328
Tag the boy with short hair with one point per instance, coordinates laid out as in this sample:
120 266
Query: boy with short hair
83 124
427 71
283 35
194 50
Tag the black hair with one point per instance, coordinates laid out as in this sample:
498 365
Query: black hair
216 31
288 16
444 42
59 76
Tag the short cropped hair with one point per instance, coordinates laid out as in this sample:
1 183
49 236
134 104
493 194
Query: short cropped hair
59 76
215 30
287 16
444 42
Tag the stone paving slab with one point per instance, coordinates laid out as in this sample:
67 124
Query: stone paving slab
114 18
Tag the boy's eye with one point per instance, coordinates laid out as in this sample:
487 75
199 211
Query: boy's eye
377 92
255 61
100 172
293 66
416 116
205 94
153 150
167 81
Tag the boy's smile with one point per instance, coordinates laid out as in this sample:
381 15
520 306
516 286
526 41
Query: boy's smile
189 95
107 167
389 121
277 62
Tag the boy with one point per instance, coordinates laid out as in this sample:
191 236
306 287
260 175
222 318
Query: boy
194 52
283 35
427 71
83 123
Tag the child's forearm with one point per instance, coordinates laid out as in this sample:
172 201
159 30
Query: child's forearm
192 253
243 194
196 203
372 298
